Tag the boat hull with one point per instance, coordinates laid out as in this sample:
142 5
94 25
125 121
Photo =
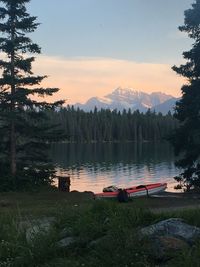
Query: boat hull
136 191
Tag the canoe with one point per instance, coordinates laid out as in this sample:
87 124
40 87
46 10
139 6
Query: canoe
136 191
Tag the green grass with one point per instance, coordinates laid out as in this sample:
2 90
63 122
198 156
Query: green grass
114 226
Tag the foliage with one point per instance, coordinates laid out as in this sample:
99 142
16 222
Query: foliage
186 139
24 127
113 126
109 223
105 231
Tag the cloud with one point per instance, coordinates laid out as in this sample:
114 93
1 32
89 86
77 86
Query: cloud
81 78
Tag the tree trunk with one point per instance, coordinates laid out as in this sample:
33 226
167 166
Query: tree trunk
12 134
13 149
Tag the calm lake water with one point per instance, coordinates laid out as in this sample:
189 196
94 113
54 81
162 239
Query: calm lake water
94 166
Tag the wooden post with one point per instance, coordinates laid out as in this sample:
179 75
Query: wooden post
64 183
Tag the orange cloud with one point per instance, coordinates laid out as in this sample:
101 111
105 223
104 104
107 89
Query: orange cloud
82 78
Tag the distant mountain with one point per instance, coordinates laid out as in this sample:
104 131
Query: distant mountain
166 106
128 98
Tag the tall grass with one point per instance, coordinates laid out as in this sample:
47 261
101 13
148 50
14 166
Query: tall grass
105 232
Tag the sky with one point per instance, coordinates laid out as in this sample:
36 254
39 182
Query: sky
91 47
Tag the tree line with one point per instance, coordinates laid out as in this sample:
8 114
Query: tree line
113 126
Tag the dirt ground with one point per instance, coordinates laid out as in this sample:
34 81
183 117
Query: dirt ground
167 201
48 202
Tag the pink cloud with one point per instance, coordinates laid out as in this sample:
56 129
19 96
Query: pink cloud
82 78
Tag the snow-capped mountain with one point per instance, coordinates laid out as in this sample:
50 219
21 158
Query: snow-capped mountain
128 98
166 106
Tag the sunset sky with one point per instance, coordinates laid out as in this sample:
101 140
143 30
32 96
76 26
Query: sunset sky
91 47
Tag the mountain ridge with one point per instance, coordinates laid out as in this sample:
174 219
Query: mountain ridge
128 98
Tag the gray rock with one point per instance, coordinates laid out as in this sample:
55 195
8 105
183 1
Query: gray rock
34 230
174 227
31 222
36 226
66 232
66 242
165 247
166 238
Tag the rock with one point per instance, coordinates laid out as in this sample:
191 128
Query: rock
36 226
34 230
166 238
31 222
66 232
172 243
66 242
174 227
165 247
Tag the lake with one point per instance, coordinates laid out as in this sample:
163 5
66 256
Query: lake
94 166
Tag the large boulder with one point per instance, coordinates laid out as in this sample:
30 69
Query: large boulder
36 226
66 242
173 227
166 238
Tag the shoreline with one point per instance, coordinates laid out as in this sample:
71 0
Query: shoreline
42 203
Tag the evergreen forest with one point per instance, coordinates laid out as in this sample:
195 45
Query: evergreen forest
113 126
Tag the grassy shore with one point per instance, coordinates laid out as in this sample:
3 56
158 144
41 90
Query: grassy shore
105 231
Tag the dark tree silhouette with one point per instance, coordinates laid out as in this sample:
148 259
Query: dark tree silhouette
186 139
24 128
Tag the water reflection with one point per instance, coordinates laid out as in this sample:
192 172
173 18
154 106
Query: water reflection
94 166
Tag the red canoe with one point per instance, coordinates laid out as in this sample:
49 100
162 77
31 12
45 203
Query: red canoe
136 191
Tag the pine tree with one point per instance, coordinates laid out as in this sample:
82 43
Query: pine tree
186 139
24 127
